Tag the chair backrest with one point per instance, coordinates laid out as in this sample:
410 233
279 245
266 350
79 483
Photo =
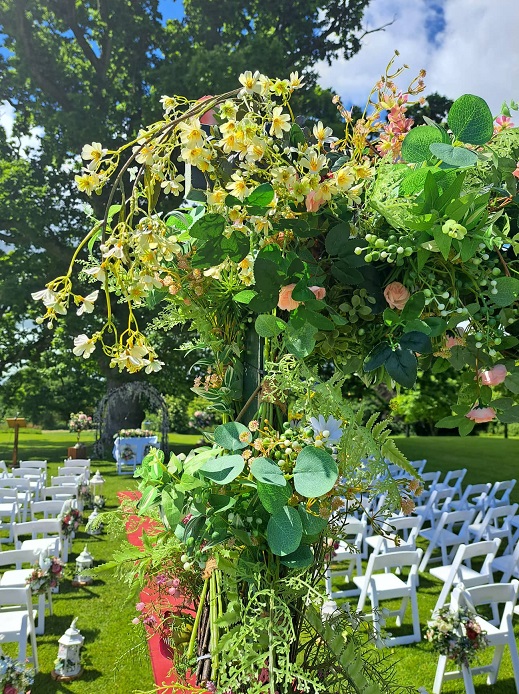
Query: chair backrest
454 478
418 465
394 560
495 522
65 480
8 494
457 522
16 483
50 509
475 496
465 553
79 470
500 493
21 597
18 557
3 468
429 480
490 594
436 504
59 492
43 527
40 464
405 527
76 462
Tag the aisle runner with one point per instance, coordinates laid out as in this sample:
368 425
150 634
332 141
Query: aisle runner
163 673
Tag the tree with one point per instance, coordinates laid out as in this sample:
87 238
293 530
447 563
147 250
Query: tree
94 71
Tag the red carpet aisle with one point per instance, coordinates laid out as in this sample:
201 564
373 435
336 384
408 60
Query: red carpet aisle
163 672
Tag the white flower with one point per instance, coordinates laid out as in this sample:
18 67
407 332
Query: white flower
48 297
153 365
87 182
87 305
321 133
93 153
116 251
280 122
330 427
296 81
251 82
173 185
83 346
97 272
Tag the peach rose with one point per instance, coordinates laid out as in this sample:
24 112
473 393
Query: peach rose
320 292
312 202
451 342
481 414
396 295
208 117
493 376
285 302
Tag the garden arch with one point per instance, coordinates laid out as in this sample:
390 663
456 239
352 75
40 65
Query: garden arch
107 424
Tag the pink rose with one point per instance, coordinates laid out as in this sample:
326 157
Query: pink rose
396 295
493 376
481 414
208 117
140 606
285 302
56 568
313 203
9 689
320 292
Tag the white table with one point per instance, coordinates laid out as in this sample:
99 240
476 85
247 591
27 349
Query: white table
138 445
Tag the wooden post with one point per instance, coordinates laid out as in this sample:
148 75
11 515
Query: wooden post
15 423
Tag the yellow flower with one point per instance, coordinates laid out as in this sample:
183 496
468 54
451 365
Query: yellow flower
251 83
217 196
238 187
321 133
191 134
280 122
295 81
87 182
93 153
313 161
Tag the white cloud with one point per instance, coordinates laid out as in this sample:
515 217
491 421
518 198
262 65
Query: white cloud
474 51
27 144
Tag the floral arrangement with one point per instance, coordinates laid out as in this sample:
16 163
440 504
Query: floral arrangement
84 494
70 522
134 433
456 635
47 573
98 501
127 453
79 422
298 258
15 677
201 419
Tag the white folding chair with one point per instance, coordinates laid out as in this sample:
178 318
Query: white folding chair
17 619
429 482
475 496
76 470
51 539
379 583
500 493
498 636
453 481
419 465
65 480
495 523
9 514
18 489
3 469
349 551
461 571
437 503
49 508
16 578
507 564
35 477
59 492
38 464
450 531
77 462
398 533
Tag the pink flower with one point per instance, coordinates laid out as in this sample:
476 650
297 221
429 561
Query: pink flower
451 342
55 568
208 117
396 295
493 376
140 606
136 620
313 203
9 689
481 414
516 172
285 302
174 592
175 582
502 123
320 292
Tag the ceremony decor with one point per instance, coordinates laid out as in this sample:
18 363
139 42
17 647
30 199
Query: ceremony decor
70 522
456 635
79 422
134 433
15 677
67 666
47 573
297 259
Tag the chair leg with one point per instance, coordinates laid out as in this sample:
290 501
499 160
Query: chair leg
496 662
440 672
401 613
40 626
467 680
416 617
512 644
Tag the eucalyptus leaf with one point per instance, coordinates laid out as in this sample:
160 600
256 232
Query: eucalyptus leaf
273 497
268 471
471 120
415 147
284 531
224 469
315 472
232 436
460 157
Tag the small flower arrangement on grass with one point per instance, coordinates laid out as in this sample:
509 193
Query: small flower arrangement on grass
15 677
47 573
134 433
70 522
456 635
79 422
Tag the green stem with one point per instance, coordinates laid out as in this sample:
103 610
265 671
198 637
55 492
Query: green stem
192 640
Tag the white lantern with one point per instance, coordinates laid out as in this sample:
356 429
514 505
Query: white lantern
84 562
67 665
92 527
97 483
328 609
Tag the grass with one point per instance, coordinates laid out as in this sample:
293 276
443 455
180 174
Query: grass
113 664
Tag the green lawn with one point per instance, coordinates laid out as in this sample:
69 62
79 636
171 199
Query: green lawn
116 664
